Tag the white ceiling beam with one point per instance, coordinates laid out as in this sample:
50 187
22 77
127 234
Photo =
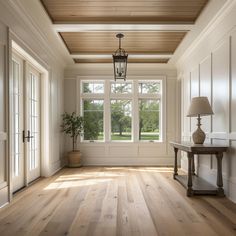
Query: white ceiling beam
121 27
132 56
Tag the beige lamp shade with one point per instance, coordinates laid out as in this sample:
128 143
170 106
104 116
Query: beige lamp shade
200 106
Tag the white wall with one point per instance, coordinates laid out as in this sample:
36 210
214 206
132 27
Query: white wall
25 28
209 69
127 153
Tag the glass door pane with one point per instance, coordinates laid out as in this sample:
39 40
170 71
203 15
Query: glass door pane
17 125
33 118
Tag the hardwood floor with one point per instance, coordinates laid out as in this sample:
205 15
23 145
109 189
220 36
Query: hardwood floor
115 201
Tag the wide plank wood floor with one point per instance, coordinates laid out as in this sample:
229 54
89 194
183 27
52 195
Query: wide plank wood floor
115 201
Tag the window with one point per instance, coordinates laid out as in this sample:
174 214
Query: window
149 87
121 88
122 111
93 110
148 119
93 87
149 110
121 120
93 115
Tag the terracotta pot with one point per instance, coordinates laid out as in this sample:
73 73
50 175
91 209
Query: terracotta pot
74 159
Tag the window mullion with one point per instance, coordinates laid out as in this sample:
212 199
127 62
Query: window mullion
107 119
135 120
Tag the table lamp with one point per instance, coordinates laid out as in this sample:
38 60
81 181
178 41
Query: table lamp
199 106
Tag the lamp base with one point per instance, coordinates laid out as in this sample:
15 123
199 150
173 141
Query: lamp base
198 136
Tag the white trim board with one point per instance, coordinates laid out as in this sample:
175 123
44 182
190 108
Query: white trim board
120 27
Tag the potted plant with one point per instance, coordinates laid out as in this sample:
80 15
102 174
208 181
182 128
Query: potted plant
73 125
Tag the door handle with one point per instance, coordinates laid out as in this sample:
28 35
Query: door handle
28 137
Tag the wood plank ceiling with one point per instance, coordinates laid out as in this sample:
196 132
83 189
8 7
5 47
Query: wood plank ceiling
133 12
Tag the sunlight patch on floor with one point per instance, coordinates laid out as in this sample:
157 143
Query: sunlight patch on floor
88 178
73 184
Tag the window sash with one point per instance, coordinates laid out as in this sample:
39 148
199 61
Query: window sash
87 111
93 82
149 82
131 125
120 93
159 120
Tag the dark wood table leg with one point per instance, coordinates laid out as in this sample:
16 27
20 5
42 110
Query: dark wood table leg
219 182
193 166
176 163
190 183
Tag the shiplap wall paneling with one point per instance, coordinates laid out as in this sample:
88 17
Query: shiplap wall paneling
220 88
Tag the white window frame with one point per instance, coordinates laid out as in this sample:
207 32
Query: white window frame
134 96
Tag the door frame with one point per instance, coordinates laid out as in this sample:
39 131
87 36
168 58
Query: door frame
18 47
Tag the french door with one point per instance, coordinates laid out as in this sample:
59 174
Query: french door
26 123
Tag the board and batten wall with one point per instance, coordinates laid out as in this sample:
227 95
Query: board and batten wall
209 69
125 153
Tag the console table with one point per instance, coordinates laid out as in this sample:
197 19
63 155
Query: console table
195 185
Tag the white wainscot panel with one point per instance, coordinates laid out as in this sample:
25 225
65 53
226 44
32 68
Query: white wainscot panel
194 91
93 150
171 105
186 103
233 88
205 89
220 93
116 161
123 150
204 160
154 150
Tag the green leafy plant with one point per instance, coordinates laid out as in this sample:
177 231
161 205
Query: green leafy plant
72 125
